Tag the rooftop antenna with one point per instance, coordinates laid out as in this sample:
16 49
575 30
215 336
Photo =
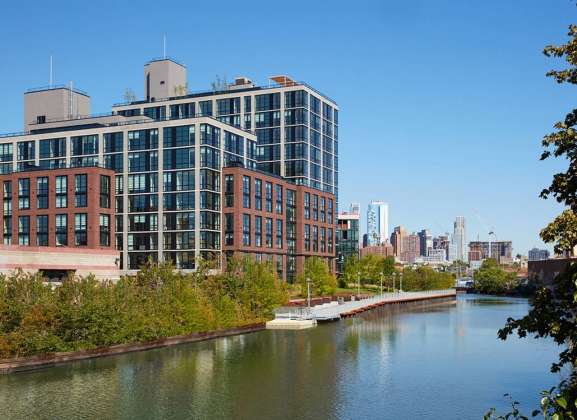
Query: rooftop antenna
164 46
51 72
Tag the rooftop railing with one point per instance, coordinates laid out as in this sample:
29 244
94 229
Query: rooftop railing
53 87
192 94
144 120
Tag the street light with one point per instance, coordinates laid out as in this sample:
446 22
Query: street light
394 278
309 292
358 284
381 282
401 287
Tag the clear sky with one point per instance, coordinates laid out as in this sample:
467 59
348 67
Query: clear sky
443 103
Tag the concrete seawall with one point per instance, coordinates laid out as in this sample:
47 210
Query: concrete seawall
21 364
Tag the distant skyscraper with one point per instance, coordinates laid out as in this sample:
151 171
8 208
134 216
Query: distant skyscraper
425 242
377 222
397 240
460 238
410 246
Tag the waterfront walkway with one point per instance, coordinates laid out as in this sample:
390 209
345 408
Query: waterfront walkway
337 310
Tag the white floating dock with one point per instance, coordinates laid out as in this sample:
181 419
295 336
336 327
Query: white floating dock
303 317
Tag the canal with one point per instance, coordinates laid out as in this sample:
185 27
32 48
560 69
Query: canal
434 362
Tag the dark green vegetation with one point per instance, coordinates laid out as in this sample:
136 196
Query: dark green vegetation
83 313
370 268
493 280
323 282
553 312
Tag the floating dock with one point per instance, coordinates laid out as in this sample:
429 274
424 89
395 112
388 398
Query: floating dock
304 317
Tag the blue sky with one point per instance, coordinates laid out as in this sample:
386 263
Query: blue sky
443 104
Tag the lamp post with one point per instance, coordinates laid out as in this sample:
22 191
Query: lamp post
394 278
309 293
358 284
401 286
381 282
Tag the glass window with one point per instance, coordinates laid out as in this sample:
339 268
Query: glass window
42 192
24 193
279 238
268 232
179 136
205 108
81 190
105 191
268 196
42 230
61 230
258 231
246 229
229 229
61 191
80 229
26 150
307 237
24 230
229 190
143 139
113 142
6 153
246 192
258 194
104 230
278 204
84 145
52 148
307 205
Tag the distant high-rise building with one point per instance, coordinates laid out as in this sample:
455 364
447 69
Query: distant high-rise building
501 251
460 238
425 242
536 254
410 248
397 240
348 236
355 208
377 222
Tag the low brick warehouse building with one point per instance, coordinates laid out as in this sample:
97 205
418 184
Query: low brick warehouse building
59 221
269 218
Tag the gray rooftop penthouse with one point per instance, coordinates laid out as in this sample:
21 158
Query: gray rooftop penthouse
168 151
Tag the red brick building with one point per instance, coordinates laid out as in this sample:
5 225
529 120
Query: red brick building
269 218
60 212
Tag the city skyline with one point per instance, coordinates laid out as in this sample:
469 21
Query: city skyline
454 166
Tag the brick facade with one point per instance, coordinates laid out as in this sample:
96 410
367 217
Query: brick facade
288 253
92 209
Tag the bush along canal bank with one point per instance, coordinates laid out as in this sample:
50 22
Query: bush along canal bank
156 307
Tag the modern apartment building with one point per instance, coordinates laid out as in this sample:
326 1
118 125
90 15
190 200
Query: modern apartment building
270 219
168 153
377 223
348 238
295 125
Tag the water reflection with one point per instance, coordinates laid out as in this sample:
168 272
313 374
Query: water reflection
424 362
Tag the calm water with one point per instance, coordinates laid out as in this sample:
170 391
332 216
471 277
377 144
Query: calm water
441 362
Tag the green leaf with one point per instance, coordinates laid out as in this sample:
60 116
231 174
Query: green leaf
562 402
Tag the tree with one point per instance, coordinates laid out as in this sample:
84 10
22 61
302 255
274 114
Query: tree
553 311
323 282
490 278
